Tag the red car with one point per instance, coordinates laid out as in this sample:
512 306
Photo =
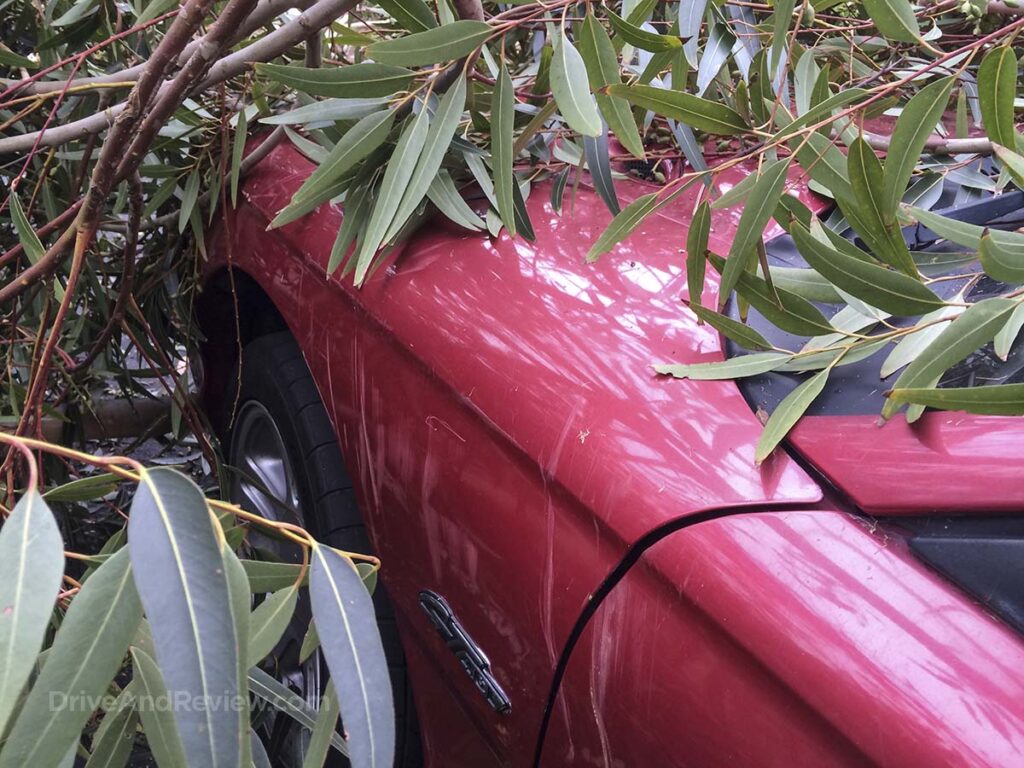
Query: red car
583 565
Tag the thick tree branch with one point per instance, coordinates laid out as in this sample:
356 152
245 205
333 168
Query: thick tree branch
268 47
938 145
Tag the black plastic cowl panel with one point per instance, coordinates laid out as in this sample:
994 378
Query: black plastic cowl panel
984 556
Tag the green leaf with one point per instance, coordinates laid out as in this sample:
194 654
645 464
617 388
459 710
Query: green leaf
353 220
360 140
623 225
413 15
883 288
502 117
1000 261
396 179
602 65
997 399
783 16
915 124
733 368
452 41
997 88
1012 163
9 58
349 640
188 200
825 163
973 329
30 242
83 489
270 576
446 197
762 201
597 154
237 150
328 111
867 212
157 722
113 742
173 541
326 724
569 86
558 189
788 413
364 80
80 665
523 224
913 344
269 621
31 567
702 114
289 703
739 332
805 283
895 19
439 139
1004 251
310 642
641 38
696 252
784 309
1008 333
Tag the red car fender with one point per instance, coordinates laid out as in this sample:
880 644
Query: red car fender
788 639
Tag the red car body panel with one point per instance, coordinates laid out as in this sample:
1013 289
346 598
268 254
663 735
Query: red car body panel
496 406
789 639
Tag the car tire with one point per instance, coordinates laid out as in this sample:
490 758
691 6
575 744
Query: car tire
273 382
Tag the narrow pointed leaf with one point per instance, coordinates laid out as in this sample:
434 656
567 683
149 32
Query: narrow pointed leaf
784 309
396 180
702 114
443 193
439 139
157 722
641 38
558 189
788 413
998 399
696 252
733 368
762 201
603 69
623 225
364 80
237 150
739 332
916 123
866 210
328 111
596 152
353 219
269 621
284 700
344 613
30 243
31 567
414 15
1001 262
1008 333
780 26
569 85
188 200
452 41
997 88
976 327
883 288
113 746
502 117
895 19
80 665
522 216
912 345
83 489
184 587
360 140
326 724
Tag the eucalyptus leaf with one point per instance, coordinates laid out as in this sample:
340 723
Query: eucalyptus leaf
502 118
702 114
733 368
447 43
31 567
569 85
355 657
788 413
895 19
996 399
365 80
997 88
631 217
696 252
157 722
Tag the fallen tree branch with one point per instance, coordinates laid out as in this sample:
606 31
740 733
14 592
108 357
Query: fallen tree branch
938 145
268 47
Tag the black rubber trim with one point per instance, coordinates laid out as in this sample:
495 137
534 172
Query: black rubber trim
633 554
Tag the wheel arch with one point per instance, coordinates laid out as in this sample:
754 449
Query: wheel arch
231 311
